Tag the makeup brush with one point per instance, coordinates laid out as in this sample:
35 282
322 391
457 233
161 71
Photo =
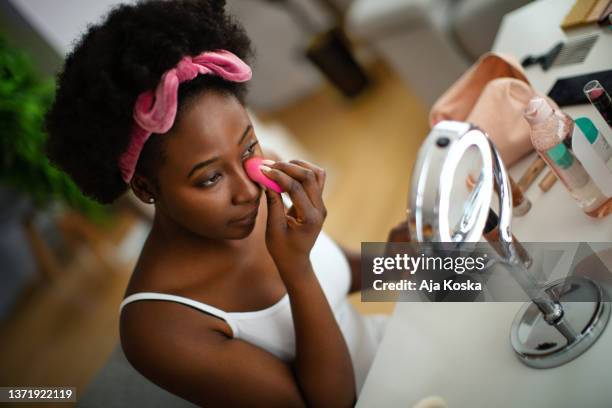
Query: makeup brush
531 173
548 181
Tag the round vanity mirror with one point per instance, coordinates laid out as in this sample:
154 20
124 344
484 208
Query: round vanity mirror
564 317
442 209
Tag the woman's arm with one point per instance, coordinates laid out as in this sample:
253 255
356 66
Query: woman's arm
399 233
354 260
323 366
194 355
199 360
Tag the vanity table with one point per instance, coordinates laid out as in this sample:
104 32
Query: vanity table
462 351
534 28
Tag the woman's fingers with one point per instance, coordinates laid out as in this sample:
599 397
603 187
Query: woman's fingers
276 210
318 171
321 176
310 179
400 233
303 206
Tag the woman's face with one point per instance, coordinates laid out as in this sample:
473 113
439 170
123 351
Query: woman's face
202 182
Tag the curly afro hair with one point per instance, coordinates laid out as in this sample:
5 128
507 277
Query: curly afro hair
90 121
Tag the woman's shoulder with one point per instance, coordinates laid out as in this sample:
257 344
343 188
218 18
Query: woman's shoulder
150 313
149 325
165 340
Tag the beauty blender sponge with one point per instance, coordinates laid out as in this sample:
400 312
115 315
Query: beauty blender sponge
252 168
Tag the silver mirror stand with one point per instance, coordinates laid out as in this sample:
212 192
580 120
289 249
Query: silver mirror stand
557 325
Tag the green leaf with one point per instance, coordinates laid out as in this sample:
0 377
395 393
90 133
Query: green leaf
24 99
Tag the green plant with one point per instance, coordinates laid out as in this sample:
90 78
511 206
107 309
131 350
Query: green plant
24 99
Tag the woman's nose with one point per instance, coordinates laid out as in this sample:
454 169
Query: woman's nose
246 190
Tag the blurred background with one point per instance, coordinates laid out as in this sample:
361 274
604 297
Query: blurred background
346 84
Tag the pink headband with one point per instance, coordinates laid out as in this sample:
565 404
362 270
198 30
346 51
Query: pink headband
154 111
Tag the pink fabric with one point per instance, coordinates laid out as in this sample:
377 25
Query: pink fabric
492 94
457 102
155 110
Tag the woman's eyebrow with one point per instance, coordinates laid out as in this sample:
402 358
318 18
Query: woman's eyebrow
246 132
209 161
202 164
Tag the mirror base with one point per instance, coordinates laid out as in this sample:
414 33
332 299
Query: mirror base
586 309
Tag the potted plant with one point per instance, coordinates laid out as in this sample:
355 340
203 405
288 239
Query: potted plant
29 183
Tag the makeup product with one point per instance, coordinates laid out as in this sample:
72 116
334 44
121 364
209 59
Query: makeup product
520 204
600 99
549 129
254 172
548 181
597 141
570 90
531 173
595 154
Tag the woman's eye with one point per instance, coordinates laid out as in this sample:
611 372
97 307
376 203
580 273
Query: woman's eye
210 181
250 150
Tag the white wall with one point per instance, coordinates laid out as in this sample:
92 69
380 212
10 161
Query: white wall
281 73
61 22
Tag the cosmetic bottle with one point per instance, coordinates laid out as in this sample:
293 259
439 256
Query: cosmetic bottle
600 99
551 132
520 204
598 142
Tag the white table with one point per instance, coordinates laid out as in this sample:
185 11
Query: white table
462 351
554 215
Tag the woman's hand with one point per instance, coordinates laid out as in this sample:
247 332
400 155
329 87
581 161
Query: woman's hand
291 235
399 233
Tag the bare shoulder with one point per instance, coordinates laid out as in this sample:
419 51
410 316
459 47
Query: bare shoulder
194 355
149 326
158 337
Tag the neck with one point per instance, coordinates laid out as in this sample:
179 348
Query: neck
193 258
185 242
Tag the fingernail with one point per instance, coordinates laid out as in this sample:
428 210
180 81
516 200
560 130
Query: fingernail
264 168
268 162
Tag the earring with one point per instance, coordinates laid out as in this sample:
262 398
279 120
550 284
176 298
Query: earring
151 200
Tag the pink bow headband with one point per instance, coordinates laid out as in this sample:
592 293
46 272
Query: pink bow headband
155 110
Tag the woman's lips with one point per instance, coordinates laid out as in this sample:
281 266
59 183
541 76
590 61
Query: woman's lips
247 219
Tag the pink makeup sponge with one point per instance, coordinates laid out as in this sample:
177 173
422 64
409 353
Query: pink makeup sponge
252 168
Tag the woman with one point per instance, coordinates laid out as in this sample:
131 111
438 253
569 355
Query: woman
234 301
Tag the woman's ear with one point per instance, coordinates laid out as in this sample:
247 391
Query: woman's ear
144 189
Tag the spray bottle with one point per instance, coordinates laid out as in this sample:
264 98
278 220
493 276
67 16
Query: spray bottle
551 132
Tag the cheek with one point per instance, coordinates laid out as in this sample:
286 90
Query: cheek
198 209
